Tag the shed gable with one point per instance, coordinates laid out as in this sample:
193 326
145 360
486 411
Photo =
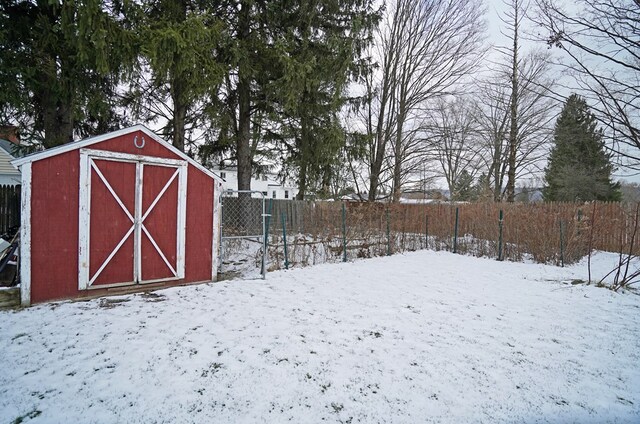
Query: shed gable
136 143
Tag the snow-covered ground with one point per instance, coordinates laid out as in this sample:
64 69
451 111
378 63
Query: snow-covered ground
421 337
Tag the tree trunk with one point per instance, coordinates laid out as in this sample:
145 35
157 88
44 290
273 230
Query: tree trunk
327 177
179 114
57 108
305 144
513 130
374 178
302 181
497 177
397 163
397 183
380 135
376 167
243 142
304 162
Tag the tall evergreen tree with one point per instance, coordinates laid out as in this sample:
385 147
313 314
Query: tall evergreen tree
59 66
179 65
290 62
242 109
579 168
324 41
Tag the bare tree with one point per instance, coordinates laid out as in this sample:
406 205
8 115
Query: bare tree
535 111
426 48
513 20
452 135
600 40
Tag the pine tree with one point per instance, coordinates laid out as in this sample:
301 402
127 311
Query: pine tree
178 67
324 46
463 189
289 66
59 66
579 168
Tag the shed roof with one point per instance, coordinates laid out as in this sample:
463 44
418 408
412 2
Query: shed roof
97 139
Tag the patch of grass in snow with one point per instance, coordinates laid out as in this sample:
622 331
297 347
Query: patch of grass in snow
17 336
337 407
28 415
624 401
153 297
111 303
214 367
412 309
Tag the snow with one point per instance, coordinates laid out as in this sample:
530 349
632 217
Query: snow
420 337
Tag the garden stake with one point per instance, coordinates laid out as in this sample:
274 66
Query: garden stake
455 234
500 222
284 234
344 233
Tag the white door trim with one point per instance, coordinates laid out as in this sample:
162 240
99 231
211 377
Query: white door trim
25 237
215 242
137 238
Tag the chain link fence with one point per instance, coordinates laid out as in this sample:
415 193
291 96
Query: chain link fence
301 233
242 240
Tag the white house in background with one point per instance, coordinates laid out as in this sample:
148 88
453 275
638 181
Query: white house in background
267 184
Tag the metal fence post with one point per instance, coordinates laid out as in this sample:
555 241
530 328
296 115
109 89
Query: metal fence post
388 234
426 231
344 233
455 234
500 224
263 268
284 234
561 244
267 218
221 249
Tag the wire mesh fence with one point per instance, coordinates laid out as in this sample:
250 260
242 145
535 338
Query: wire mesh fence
301 233
242 237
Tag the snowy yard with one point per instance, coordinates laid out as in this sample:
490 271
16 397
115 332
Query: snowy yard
422 337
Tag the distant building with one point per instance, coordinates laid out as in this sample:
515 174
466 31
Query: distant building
267 184
355 197
424 197
9 142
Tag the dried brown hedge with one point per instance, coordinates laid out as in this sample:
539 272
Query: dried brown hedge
529 230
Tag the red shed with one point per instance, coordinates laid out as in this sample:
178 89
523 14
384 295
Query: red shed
120 212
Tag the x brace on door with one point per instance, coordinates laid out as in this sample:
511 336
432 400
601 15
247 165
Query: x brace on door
87 166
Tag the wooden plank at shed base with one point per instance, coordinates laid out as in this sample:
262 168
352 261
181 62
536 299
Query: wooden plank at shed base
131 289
